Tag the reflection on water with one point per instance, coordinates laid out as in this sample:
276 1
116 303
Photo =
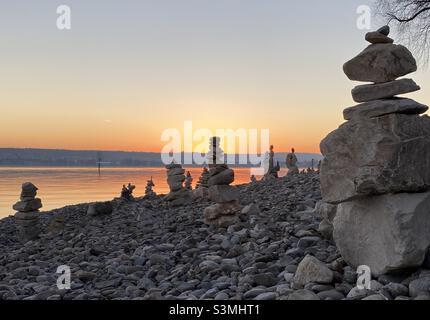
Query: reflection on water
59 187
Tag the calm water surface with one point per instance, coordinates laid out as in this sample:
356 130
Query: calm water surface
59 187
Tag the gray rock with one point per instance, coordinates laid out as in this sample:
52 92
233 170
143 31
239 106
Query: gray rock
100 208
267 296
225 177
375 297
380 63
396 289
28 205
419 287
358 294
374 156
326 229
376 37
326 210
310 270
385 30
379 108
330 295
222 296
371 92
251 294
387 233
303 295
223 193
265 279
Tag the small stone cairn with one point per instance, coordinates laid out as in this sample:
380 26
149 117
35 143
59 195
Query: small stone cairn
292 163
149 193
27 217
376 165
175 179
272 170
202 186
189 181
227 209
127 192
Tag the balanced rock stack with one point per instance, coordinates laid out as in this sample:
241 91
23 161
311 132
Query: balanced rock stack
175 179
272 170
292 163
27 217
149 193
376 165
189 181
202 185
226 210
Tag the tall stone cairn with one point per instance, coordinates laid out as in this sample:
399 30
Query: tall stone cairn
376 166
175 179
27 217
272 170
291 163
226 210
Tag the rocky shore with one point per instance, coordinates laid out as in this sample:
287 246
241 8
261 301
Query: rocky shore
148 249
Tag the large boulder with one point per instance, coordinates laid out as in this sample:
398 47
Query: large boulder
380 63
378 108
310 270
370 92
387 233
388 154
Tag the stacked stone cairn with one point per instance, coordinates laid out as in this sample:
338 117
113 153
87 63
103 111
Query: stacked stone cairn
227 209
272 169
175 179
127 192
292 163
202 185
149 193
376 166
189 181
27 217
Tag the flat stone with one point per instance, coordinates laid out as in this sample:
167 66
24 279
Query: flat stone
376 156
223 193
311 269
378 108
371 92
225 177
303 295
388 233
380 63
28 206
376 37
175 171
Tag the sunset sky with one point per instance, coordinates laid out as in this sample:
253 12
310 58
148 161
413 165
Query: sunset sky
130 69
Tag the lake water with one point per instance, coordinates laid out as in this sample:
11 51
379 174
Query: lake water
59 187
